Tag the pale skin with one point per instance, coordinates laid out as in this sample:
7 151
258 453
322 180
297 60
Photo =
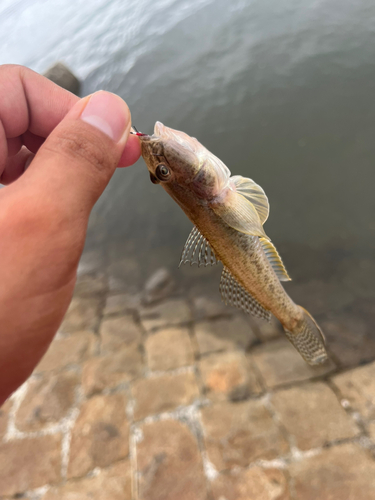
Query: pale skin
44 209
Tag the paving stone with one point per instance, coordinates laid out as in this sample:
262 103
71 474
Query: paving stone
224 334
100 435
228 375
159 286
279 363
169 313
169 348
237 434
116 332
207 308
358 387
47 401
121 303
266 330
371 430
113 483
91 284
83 314
4 414
68 351
342 472
169 463
163 393
108 371
26 464
313 415
252 484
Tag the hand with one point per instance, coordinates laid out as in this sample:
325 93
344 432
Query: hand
44 211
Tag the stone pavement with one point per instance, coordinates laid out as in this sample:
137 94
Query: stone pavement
183 399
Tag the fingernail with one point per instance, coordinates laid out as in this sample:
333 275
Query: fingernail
108 113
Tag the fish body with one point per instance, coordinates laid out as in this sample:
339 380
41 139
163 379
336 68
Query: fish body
228 213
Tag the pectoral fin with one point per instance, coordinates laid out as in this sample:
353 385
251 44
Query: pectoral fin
254 193
275 260
239 213
197 250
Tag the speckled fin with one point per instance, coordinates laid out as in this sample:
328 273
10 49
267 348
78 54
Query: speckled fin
234 294
275 260
197 250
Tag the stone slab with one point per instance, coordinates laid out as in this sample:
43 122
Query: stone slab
169 313
4 414
121 303
169 348
83 314
119 331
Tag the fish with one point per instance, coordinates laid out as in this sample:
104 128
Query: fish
228 213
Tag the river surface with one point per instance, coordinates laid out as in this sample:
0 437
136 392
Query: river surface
283 92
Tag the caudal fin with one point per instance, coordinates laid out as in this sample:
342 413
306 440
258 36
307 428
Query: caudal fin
308 339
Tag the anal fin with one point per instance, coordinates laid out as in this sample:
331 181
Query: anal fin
234 294
197 250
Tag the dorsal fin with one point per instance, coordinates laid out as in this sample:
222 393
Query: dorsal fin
254 193
197 250
233 293
239 213
274 259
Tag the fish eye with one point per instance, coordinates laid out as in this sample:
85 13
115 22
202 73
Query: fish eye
162 172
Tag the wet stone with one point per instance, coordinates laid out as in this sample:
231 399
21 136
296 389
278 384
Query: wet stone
163 393
117 332
4 414
83 314
48 400
228 375
238 434
121 303
68 351
313 416
91 284
100 435
358 387
108 371
252 484
279 363
30 463
342 472
169 463
169 313
113 483
224 334
169 348
158 286
208 308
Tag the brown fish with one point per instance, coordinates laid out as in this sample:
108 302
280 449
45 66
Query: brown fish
228 213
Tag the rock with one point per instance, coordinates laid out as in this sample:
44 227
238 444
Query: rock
228 375
169 463
88 285
61 75
169 313
163 393
83 314
4 414
118 332
100 435
358 387
266 330
122 303
224 334
108 371
312 414
371 431
47 401
279 363
113 483
342 472
252 484
169 348
158 286
68 351
30 463
238 434
208 308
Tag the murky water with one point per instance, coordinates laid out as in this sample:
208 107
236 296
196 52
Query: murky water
282 92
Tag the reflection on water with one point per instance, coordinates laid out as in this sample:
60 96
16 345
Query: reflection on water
281 92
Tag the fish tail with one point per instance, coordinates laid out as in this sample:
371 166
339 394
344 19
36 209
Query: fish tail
308 339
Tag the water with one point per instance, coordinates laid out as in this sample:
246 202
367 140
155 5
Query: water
282 92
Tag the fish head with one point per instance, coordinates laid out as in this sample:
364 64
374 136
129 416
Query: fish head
181 164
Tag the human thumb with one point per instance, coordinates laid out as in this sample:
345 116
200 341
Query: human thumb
78 158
